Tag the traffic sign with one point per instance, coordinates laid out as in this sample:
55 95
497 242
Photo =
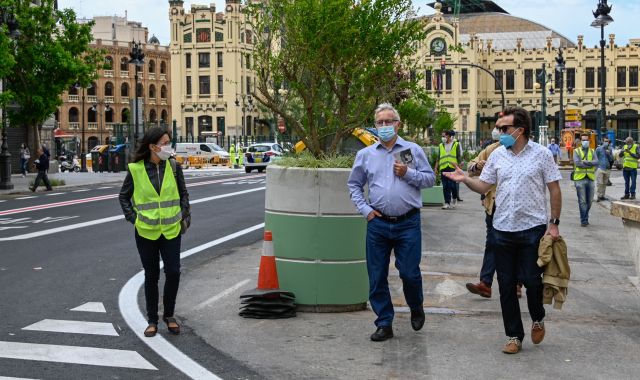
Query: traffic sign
573 117
573 124
572 111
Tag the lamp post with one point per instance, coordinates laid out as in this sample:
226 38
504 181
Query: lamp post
602 19
137 59
96 108
541 83
560 66
83 153
247 105
7 18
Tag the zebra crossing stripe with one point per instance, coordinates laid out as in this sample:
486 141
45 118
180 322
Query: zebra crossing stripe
14 378
74 355
73 327
91 307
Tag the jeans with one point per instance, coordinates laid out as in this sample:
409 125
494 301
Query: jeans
602 178
516 254
489 259
42 176
23 166
449 188
630 176
405 238
584 188
150 252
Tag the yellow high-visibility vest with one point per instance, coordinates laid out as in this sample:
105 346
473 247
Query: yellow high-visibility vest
157 214
630 162
448 160
580 173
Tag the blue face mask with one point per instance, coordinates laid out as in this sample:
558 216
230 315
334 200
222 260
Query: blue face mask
585 144
386 133
507 140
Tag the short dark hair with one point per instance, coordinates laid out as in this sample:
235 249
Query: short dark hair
521 118
584 135
450 133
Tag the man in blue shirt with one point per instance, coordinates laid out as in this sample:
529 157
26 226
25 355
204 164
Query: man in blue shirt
393 216
605 160
555 150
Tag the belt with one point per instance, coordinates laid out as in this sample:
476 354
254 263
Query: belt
400 218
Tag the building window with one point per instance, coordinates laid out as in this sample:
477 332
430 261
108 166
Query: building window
510 74
203 35
603 83
189 123
449 80
204 60
499 79
188 85
220 124
219 37
633 76
219 58
163 67
205 85
248 85
187 59
571 78
621 76
427 80
465 79
152 66
528 79
590 78
220 85
248 61
124 90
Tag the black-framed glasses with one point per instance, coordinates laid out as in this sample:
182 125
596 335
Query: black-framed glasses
380 123
503 128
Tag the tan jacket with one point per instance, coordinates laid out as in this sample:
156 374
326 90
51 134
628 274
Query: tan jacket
552 255
490 196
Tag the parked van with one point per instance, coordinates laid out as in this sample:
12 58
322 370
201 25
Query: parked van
209 150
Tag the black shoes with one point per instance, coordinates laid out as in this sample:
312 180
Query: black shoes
33 189
459 200
417 319
382 333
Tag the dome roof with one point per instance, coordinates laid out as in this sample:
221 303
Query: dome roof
154 40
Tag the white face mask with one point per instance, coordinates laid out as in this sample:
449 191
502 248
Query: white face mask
495 134
165 152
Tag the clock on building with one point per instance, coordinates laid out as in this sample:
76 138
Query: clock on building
438 46
174 11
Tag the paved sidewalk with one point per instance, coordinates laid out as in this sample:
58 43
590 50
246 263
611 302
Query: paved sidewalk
595 335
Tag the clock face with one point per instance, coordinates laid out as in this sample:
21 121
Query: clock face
174 11
438 46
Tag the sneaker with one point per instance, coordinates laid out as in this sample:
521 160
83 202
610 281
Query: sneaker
537 332
446 206
513 346
481 289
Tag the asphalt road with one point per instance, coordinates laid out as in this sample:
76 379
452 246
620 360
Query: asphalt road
71 249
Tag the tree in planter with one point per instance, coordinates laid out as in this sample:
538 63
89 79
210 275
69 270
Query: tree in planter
324 65
51 54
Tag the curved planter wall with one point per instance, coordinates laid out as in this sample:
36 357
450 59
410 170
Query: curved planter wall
318 237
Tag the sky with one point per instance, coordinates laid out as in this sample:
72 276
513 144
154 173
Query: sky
568 17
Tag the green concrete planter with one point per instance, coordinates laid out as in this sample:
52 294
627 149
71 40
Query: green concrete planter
432 196
318 238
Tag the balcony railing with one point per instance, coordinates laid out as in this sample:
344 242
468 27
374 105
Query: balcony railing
92 99
108 73
152 101
152 76
74 126
163 77
163 102
124 99
92 126
109 126
74 98
124 74
109 99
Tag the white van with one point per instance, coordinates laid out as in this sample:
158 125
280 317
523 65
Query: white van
208 150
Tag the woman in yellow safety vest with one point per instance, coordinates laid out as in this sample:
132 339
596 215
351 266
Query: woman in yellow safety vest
154 198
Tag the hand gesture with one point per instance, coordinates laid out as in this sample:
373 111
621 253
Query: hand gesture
399 169
372 215
456 176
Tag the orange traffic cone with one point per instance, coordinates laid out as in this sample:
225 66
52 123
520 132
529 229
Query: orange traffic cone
268 274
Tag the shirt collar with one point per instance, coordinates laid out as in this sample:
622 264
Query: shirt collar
399 142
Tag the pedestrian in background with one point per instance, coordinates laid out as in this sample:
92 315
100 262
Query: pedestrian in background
522 170
449 157
42 165
393 217
603 172
154 198
630 167
585 162
25 155
555 150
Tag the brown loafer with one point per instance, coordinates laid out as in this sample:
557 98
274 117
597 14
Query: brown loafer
480 289
151 330
537 332
172 325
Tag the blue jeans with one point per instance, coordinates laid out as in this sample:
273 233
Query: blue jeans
584 188
516 254
405 238
449 188
630 176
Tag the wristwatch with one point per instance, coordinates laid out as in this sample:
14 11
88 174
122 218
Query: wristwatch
555 221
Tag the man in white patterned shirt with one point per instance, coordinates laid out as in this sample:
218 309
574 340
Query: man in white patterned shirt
522 170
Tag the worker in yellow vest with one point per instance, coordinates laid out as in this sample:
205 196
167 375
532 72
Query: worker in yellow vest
240 151
154 198
585 162
449 156
630 168
232 156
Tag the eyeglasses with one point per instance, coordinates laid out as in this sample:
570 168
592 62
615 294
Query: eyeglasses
503 128
380 123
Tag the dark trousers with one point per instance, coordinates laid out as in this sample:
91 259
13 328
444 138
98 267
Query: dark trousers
42 176
405 239
517 253
150 252
449 188
489 259
630 180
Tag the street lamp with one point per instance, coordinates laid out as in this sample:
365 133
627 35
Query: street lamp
7 18
97 109
137 59
560 66
541 83
83 153
602 19
247 105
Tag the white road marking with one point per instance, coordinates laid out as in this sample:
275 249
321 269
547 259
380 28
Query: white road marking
14 378
80 191
112 218
74 354
29 197
104 188
52 194
128 305
221 295
73 327
2 201
91 307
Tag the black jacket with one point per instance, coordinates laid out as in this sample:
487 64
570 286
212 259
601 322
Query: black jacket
43 163
126 192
